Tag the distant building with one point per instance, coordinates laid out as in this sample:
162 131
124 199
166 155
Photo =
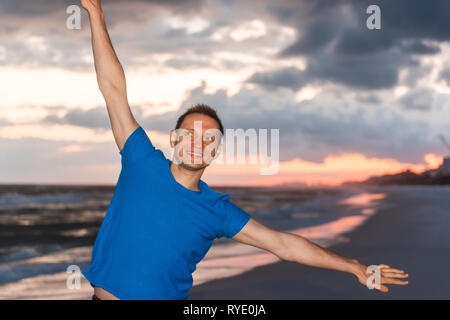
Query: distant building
445 166
444 169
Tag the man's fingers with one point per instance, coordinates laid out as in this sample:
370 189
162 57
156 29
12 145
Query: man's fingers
395 275
385 267
392 271
384 289
386 271
393 281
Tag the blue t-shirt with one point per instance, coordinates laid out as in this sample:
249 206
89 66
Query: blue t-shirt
155 230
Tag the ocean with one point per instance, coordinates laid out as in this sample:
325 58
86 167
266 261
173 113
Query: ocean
45 229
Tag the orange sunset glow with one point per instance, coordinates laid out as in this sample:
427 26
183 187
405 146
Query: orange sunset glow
332 171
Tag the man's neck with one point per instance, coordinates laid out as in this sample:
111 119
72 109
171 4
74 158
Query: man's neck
187 178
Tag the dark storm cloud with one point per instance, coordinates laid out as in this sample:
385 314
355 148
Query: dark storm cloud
359 42
282 13
374 71
412 19
400 20
340 48
418 47
377 71
291 78
318 35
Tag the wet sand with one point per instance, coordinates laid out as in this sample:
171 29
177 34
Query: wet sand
410 231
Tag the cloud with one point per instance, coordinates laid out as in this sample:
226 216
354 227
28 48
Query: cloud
4 122
181 63
309 132
421 99
419 47
445 75
338 47
369 99
377 71
96 118
331 36
317 35
174 34
401 20
25 8
332 123
45 21
371 71
32 160
291 78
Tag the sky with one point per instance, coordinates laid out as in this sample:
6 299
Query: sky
349 102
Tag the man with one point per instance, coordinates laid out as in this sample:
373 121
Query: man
163 218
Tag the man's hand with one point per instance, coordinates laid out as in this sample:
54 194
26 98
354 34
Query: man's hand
387 275
91 5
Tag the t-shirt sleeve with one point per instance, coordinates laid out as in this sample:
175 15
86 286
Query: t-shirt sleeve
137 146
235 219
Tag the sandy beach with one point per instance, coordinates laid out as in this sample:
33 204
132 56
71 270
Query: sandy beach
411 231
404 227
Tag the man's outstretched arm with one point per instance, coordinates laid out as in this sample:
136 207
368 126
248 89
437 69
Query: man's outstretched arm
110 75
290 247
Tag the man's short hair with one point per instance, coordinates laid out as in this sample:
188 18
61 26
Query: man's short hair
203 109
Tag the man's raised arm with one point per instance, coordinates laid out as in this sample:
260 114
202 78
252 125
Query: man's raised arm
110 75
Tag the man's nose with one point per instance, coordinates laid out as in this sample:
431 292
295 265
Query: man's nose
197 143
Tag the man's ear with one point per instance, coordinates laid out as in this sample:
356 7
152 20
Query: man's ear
173 138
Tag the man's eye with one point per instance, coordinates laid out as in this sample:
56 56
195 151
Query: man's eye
208 138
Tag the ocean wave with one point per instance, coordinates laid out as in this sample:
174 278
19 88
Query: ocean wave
44 264
50 201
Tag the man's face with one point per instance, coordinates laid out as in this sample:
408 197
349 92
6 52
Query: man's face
196 142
